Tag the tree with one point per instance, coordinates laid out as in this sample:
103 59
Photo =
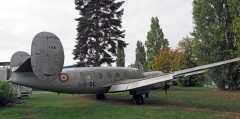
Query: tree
235 12
168 60
98 30
155 41
120 58
186 46
215 40
120 53
140 54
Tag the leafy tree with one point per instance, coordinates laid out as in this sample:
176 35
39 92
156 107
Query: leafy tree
186 46
168 60
120 53
215 39
132 65
140 55
177 62
155 41
120 58
235 13
98 30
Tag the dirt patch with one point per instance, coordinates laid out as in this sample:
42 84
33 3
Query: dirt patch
90 97
77 101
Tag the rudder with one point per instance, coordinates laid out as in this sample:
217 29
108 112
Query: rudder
47 56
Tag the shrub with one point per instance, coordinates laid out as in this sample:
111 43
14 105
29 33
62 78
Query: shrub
6 93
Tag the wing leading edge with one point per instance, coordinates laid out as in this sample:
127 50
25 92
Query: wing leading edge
131 84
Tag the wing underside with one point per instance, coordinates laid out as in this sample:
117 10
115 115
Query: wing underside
131 84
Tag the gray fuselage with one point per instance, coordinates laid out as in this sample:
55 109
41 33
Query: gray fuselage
88 80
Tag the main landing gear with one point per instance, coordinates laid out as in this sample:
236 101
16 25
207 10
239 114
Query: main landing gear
137 96
137 99
100 96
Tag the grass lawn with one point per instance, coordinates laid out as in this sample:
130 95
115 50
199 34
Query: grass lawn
185 103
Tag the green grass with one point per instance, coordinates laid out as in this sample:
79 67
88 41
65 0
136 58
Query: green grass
185 103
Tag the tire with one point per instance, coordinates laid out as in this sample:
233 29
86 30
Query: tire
100 97
139 99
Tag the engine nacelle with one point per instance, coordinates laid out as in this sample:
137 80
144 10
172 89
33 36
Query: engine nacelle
47 56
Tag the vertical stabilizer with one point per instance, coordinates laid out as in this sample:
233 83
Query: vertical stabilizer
47 56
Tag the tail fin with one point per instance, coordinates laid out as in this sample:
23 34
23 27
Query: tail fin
47 56
46 60
18 59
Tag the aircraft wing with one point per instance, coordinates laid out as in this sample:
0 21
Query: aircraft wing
130 84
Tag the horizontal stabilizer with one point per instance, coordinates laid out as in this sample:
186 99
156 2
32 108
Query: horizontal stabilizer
25 67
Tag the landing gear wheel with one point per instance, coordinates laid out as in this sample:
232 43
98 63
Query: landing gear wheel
138 99
146 95
100 97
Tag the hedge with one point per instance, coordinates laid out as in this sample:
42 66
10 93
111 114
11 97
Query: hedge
6 93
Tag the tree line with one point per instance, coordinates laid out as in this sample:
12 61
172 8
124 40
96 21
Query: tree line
215 38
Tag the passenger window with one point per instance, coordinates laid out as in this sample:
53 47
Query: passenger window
89 77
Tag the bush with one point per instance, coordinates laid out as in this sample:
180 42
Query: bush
6 93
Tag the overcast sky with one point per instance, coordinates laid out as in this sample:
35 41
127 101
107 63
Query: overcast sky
21 20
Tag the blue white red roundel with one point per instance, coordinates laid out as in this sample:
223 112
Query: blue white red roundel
63 77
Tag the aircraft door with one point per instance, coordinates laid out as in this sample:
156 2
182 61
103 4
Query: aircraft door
82 81
90 79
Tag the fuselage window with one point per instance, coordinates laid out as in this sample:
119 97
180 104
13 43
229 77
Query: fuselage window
89 77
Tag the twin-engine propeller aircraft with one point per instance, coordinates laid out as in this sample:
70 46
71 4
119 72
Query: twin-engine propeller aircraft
43 70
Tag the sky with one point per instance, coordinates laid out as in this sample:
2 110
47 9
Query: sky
21 20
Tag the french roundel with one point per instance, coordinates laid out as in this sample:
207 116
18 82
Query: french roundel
63 77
